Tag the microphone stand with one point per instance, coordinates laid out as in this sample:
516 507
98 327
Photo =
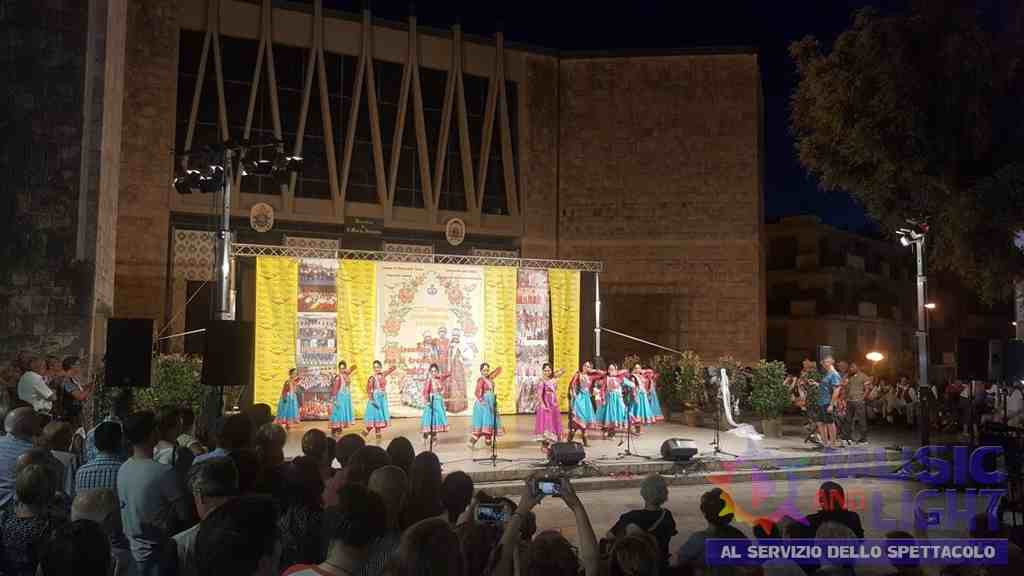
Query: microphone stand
494 437
430 398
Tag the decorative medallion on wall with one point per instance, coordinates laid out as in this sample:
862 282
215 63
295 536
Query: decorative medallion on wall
455 231
261 217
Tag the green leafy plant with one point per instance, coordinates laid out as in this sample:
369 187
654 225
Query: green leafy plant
177 381
769 396
667 368
690 380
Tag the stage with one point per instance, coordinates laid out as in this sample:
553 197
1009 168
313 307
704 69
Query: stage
519 455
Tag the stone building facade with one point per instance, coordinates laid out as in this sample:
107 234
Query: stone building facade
648 163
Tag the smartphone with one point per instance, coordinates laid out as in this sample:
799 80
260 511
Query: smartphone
548 487
490 514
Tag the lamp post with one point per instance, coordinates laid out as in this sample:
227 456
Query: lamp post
915 236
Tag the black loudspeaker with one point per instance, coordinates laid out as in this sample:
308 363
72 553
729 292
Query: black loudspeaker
678 449
824 352
1013 361
972 359
567 453
228 354
129 360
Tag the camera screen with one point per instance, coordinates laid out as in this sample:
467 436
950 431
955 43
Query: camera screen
490 514
548 487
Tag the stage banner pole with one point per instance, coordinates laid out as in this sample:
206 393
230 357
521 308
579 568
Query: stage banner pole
565 326
500 324
357 324
277 286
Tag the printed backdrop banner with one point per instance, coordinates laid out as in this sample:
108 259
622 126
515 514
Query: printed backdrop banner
500 329
533 316
316 345
430 314
565 325
277 285
357 323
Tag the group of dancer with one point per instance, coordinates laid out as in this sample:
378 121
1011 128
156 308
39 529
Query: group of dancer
613 401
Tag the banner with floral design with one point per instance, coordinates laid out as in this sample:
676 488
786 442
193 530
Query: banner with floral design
533 333
430 314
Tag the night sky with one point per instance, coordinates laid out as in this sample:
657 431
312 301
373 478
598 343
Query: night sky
767 26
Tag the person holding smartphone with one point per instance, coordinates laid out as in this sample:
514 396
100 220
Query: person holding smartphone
549 553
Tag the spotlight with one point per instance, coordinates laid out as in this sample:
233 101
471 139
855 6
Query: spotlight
286 163
904 241
257 168
187 181
211 180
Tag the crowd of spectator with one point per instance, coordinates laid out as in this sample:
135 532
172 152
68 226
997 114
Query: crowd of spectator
144 495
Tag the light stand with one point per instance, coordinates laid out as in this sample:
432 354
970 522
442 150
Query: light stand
915 236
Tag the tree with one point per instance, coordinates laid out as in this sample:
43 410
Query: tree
920 116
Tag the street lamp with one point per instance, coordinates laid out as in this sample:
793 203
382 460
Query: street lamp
914 235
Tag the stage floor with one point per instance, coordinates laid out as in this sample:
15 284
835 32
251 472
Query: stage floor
520 455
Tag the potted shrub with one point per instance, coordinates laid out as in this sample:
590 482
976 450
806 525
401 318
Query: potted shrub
769 396
690 386
667 368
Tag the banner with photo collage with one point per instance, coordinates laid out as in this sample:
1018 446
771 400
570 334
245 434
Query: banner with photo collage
316 351
533 331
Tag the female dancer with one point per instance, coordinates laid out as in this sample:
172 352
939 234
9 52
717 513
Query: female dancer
434 419
548 425
583 416
341 412
377 416
614 416
640 412
652 394
288 405
486 422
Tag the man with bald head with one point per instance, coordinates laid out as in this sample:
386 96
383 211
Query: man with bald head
392 485
102 507
21 425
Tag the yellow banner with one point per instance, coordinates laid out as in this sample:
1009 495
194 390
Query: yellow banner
277 285
500 325
565 326
357 323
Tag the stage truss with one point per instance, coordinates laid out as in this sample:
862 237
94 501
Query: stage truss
254 250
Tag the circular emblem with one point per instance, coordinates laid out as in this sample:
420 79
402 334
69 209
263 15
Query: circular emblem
455 231
261 217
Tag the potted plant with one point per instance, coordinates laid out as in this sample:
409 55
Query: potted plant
769 396
667 368
690 386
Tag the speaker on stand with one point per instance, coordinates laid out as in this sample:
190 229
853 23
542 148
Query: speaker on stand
227 361
129 358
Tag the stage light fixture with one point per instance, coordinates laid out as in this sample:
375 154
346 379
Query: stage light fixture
187 181
211 180
257 168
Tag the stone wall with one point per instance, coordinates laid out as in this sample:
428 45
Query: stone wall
148 142
660 179
43 291
539 147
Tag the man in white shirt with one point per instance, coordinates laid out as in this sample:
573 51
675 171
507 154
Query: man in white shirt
33 390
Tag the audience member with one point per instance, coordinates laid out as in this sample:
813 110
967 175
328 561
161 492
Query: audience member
118 413
56 437
911 567
240 538
347 446
26 526
424 490
550 553
21 427
72 392
59 505
831 530
153 506
765 529
360 466
428 547
187 438
213 483
102 507
79 547
235 434
315 447
392 486
479 541
456 494
652 518
167 450
350 529
32 389
101 472
270 441
832 503
712 504
635 554
402 453
260 415
302 518
249 470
